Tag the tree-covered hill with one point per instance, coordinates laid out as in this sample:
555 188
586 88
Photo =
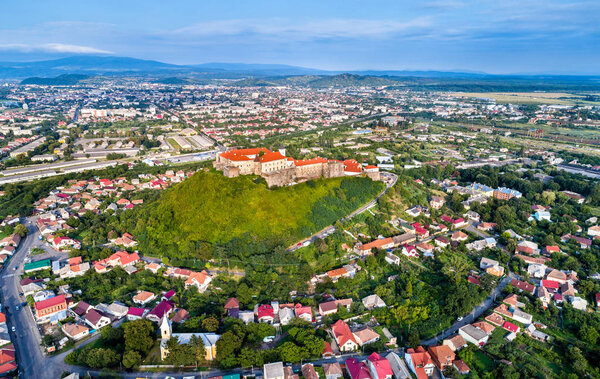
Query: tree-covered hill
209 209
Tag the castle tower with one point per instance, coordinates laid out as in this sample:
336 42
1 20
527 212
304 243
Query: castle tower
165 328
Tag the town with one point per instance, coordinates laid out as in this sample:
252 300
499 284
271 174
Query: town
468 249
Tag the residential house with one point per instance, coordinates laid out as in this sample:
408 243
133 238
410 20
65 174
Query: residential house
357 369
180 316
459 236
473 335
159 311
304 312
523 286
331 307
343 336
398 366
96 319
419 362
536 270
461 367
265 313
410 251
373 301
366 336
273 371
437 202
485 326
308 371
75 331
200 280
53 309
286 315
491 266
144 297
578 303
442 356
332 370
135 313
379 367
382 244
455 343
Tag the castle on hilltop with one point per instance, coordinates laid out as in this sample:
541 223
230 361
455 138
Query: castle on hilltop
279 170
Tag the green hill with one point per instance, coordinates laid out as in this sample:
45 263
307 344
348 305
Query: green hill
61 80
209 209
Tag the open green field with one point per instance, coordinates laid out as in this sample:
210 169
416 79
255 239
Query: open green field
211 208
558 98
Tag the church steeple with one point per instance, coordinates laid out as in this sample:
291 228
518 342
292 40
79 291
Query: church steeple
165 327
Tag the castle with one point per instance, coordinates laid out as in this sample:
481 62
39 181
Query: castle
279 170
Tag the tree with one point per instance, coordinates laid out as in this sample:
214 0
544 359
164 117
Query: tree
101 358
139 336
131 359
227 345
210 324
588 334
21 230
243 294
414 338
548 197
290 352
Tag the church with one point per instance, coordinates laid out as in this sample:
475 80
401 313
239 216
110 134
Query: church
166 333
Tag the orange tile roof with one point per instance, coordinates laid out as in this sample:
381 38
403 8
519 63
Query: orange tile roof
306 162
242 154
271 156
337 272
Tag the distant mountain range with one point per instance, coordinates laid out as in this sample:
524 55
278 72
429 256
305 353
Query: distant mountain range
108 65
72 70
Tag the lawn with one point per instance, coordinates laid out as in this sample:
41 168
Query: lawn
153 357
482 362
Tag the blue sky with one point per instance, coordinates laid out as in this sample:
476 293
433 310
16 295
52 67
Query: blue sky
503 36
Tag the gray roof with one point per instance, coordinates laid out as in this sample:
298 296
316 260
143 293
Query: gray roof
474 332
273 370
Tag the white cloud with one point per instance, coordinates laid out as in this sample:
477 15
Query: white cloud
327 28
53 48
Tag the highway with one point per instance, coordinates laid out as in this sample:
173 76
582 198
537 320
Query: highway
390 181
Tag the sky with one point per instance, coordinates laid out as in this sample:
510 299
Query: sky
501 36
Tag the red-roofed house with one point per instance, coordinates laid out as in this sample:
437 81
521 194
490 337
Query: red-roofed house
303 312
65 243
379 367
343 336
419 361
266 314
510 327
550 285
356 369
53 309
442 356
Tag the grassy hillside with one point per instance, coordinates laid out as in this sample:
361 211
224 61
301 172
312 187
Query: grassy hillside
210 208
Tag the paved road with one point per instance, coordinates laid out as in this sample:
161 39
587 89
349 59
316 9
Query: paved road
474 314
391 180
26 338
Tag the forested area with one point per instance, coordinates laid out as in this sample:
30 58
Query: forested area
208 213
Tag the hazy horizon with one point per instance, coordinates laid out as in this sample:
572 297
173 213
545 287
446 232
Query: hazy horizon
528 37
